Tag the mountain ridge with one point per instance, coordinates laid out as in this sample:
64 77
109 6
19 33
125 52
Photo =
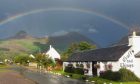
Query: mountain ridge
67 39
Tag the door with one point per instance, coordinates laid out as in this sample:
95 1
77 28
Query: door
94 69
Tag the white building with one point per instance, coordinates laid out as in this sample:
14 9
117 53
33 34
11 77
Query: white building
32 56
52 53
116 57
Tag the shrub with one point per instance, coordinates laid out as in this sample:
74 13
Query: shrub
127 75
81 66
69 69
77 65
123 75
73 70
79 71
115 76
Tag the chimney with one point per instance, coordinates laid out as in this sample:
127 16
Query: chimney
50 46
134 41
134 33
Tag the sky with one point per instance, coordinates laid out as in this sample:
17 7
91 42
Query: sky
103 21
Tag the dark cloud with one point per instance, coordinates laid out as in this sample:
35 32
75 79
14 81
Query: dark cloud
61 22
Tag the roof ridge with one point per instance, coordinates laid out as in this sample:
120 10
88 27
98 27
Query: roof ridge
101 48
112 53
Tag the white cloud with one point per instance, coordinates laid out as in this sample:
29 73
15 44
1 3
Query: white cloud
59 33
92 30
75 29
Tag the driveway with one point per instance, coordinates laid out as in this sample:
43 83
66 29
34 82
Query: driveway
47 78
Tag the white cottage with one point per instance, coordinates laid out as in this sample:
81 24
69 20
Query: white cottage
114 58
53 53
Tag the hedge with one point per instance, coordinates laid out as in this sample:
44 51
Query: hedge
79 71
115 76
69 69
74 70
123 75
127 75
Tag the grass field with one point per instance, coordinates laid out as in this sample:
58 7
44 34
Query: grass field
3 68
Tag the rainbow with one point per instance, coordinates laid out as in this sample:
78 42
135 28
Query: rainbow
18 16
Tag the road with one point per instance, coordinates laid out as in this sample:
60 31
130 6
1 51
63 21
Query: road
47 78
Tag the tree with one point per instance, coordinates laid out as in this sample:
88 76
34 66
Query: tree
85 46
22 59
44 61
38 58
77 47
48 62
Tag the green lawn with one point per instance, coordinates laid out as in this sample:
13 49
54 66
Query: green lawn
101 81
3 68
126 83
97 79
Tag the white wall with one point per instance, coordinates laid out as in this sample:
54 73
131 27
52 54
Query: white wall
64 65
31 64
115 66
134 41
129 61
137 67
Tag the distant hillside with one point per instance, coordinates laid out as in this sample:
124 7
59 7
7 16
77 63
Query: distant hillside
124 40
24 43
62 42
20 35
20 43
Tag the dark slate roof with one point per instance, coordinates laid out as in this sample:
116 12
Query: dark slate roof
137 55
103 54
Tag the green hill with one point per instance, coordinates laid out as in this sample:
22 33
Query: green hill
26 44
20 43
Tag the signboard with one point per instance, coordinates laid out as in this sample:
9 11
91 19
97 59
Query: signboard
127 61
